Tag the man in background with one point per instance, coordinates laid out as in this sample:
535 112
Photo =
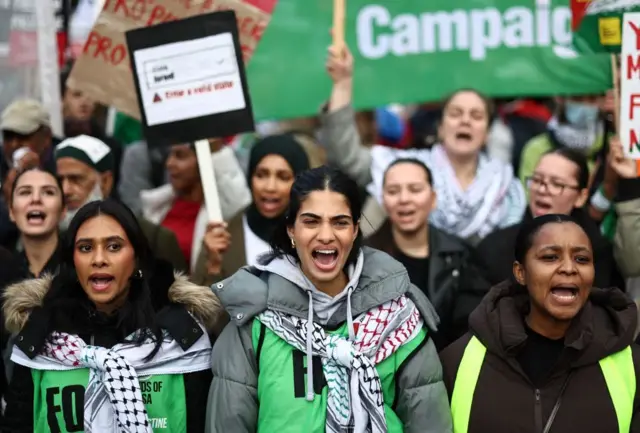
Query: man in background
85 167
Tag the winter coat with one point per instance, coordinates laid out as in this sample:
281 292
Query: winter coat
246 355
455 285
505 398
25 319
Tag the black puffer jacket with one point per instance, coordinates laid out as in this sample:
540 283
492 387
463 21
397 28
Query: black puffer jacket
173 304
455 285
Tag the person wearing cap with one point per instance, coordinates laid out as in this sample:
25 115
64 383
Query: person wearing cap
27 142
25 124
80 117
85 167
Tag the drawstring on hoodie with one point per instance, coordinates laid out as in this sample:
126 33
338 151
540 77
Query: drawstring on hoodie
352 334
310 393
352 338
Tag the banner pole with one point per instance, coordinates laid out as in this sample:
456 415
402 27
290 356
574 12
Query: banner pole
338 23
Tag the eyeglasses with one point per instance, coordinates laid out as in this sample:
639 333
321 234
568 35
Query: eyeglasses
553 187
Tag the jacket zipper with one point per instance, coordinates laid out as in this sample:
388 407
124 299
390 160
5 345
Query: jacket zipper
538 412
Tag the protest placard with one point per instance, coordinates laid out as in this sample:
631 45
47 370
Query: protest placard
630 85
103 70
191 85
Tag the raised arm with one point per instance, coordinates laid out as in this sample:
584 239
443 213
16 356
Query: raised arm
339 131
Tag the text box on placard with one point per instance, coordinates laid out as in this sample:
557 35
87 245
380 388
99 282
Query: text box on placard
630 85
184 80
190 79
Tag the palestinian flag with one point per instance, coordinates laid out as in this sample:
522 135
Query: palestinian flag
597 24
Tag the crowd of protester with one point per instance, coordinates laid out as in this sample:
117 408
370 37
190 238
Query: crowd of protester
468 266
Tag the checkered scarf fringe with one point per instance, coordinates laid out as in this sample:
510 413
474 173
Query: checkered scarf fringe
355 401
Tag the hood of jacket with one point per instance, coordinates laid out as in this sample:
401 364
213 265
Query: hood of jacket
251 291
22 298
605 325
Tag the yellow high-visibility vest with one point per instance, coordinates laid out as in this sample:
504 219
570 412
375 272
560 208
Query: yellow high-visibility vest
617 369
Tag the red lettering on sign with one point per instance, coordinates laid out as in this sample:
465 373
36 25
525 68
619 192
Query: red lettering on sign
138 10
636 30
207 5
631 66
101 46
174 94
202 89
634 101
119 6
224 85
160 15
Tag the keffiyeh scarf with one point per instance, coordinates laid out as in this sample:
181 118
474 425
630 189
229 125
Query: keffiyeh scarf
494 199
582 140
113 398
355 400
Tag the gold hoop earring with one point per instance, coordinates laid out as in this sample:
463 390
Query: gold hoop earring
293 243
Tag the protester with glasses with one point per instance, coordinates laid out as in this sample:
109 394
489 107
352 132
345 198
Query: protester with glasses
559 184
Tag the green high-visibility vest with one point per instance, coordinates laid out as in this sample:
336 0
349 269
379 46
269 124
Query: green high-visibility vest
617 369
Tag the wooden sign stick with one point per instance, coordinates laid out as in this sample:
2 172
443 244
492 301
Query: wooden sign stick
338 23
208 179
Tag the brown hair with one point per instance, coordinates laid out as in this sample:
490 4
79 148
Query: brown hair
488 103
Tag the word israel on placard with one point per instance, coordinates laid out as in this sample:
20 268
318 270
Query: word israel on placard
630 85
192 79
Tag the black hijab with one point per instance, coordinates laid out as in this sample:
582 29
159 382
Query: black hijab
286 146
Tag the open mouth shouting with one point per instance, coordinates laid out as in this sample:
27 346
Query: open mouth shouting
101 282
325 259
36 217
463 136
565 294
270 204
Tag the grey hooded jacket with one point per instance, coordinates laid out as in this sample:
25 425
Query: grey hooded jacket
422 405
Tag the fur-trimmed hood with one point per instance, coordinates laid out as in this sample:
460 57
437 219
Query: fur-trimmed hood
21 298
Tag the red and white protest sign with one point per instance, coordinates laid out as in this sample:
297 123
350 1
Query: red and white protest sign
104 72
630 85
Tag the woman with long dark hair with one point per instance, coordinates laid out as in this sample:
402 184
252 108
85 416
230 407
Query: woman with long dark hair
546 350
326 335
92 334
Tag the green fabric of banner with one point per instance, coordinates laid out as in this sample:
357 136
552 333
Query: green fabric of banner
416 51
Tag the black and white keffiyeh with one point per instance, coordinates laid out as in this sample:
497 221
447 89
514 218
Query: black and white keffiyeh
113 398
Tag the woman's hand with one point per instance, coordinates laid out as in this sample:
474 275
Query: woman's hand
340 69
619 163
216 242
340 64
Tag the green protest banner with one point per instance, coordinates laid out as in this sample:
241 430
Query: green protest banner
412 50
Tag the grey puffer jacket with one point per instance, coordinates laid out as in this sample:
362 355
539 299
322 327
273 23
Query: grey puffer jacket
421 401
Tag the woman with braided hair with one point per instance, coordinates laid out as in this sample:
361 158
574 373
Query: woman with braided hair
93 351
326 335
